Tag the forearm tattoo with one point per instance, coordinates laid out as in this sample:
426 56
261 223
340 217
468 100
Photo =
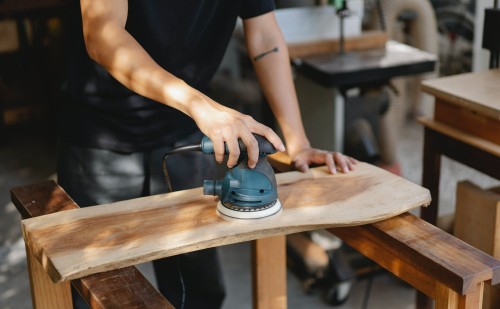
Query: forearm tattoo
260 56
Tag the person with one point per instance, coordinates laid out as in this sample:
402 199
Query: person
137 72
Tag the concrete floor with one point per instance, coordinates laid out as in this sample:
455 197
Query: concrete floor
29 156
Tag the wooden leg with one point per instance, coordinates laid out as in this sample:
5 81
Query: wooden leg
430 176
44 293
430 180
269 273
446 298
473 299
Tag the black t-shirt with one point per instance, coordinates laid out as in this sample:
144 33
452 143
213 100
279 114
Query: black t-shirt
188 38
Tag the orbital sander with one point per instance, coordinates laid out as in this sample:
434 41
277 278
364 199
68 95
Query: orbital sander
244 193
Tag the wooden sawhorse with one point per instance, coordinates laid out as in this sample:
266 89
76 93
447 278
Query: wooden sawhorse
434 262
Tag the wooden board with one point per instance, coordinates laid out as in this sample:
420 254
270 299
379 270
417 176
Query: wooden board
366 40
467 120
477 217
461 136
269 273
120 288
77 243
476 91
477 222
422 254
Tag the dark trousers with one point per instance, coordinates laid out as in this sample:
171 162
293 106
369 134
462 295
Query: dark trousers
96 176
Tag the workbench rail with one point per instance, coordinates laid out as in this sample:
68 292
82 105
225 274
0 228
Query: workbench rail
422 254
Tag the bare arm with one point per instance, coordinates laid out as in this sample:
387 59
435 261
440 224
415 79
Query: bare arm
269 53
110 45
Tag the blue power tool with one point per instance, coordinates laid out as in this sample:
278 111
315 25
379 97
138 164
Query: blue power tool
244 193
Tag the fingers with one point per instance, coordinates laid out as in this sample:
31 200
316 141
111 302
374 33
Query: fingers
344 162
251 143
269 134
333 160
219 150
242 129
252 148
351 162
330 163
329 159
301 165
341 161
234 151
222 124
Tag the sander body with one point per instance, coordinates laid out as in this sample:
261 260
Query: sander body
244 193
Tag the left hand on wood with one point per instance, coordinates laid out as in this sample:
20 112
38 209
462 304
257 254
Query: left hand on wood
333 160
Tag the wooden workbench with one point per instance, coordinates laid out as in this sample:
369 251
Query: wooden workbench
80 244
465 127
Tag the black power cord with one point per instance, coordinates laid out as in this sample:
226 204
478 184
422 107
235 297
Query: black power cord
181 149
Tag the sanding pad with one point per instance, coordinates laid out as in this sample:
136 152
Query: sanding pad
229 214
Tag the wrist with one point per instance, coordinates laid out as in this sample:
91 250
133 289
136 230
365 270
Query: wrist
297 145
186 99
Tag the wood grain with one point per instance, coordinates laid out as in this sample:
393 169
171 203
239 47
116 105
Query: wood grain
477 218
467 120
475 91
269 273
46 294
462 136
477 222
422 254
121 288
447 297
367 40
81 242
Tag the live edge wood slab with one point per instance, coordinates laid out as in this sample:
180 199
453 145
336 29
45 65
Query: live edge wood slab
77 243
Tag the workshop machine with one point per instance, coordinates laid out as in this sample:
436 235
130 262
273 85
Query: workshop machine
244 193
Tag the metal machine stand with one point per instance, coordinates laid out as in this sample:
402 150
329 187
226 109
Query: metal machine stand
491 39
